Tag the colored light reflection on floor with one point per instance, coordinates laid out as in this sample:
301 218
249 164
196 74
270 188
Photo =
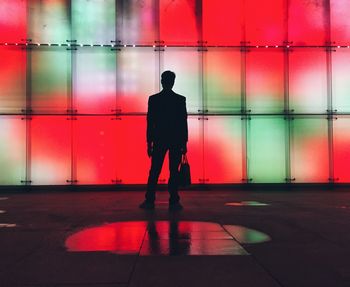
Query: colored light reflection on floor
7 225
246 203
165 238
4 198
2 211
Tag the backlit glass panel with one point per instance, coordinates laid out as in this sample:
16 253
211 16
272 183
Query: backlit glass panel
309 150
341 131
50 150
265 80
340 24
13 150
222 82
266 149
223 154
51 76
308 81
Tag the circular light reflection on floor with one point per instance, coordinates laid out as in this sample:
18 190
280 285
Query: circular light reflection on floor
4 198
2 211
7 225
149 238
246 203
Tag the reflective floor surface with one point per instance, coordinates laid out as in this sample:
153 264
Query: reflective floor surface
165 238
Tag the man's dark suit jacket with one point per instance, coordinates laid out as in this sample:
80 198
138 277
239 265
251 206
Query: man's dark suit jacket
167 119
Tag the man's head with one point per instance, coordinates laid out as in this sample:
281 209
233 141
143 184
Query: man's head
168 80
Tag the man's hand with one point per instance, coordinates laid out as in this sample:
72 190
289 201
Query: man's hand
184 149
149 149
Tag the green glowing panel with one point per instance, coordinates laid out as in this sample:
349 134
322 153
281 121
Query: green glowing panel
50 150
265 80
13 148
185 62
93 21
51 73
94 80
341 80
49 21
137 22
309 150
223 155
12 79
266 149
222 80
137 78
308 80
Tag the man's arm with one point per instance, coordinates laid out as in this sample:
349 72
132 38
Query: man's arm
185 127
150 127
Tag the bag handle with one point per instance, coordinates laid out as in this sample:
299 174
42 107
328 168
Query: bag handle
184 159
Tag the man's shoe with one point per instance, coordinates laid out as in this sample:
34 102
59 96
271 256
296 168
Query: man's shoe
175 206
147 205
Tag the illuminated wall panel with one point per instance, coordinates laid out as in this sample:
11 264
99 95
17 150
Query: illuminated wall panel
265 22
94 156
93 21
341 131
132 162
265 81
266 149
12 79
340 24
223 155
94 81
308 81
309 150
180 21
137 78
307 22
222 24
13 21
12 150
136 22
222 80
50 79
49 21
341 80
186 62
50 150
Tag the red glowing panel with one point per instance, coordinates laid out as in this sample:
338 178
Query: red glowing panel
95 140
309 150
265 22
94 83
12 150
341 80
132 162
340 24
222 24
50 150
180 21
13 21
307 22
137 78
185 62
306 68
341 155
223 156
50 79
222 79
12 79
136 22
265 80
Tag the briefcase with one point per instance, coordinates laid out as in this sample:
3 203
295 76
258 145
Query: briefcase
184 172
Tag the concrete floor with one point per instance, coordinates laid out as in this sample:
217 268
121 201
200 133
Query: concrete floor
309 246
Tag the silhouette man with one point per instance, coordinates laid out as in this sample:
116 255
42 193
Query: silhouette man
167 131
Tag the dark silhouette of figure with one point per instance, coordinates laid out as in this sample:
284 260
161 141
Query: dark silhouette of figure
167 131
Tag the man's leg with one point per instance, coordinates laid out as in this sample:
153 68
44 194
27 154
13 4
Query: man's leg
158 155
173 184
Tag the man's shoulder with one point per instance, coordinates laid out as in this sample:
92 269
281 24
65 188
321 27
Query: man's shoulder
154 97
180 97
